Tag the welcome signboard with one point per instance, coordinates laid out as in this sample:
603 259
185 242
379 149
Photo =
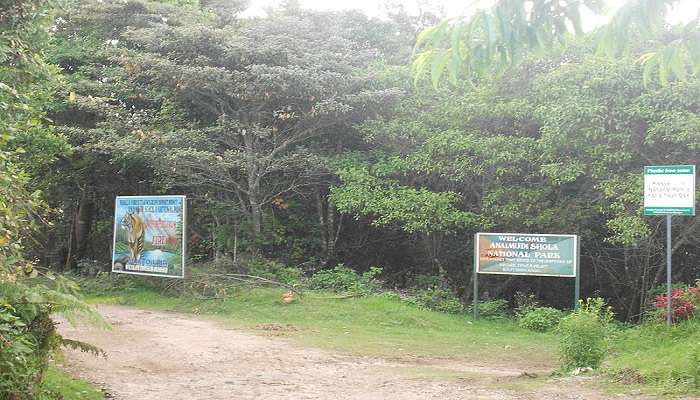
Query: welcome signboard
149 236
526 254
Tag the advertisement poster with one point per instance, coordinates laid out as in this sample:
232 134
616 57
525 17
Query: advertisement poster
527 254
149 234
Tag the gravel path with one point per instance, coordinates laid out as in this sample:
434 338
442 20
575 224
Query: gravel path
163 355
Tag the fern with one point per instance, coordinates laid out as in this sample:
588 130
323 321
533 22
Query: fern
491 41
83 347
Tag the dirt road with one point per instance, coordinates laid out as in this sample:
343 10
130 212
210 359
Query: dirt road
162 355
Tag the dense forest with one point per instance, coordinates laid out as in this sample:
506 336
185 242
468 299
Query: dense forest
311 139
300 137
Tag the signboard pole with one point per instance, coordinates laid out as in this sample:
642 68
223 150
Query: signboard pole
669 190
669 308
476 277
577 279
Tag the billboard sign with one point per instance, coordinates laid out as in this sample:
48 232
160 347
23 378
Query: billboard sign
669 190
527 254
149 236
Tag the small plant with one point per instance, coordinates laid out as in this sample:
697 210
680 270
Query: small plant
342 279
524 303
540 319
584 335
493 309
438 299
695 368
684 303
427 281
266 268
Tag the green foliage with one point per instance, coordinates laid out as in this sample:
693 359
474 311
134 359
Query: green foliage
491 41
342 279
495 309
270 269
374 325
28 298
427 281
106 282
666 359
388 202
584 335
540 319
437 299
59 385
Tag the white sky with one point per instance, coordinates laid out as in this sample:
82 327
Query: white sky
685 11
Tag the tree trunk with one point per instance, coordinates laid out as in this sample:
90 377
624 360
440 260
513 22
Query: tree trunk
254 196
332 232
86 213
323 236
216 247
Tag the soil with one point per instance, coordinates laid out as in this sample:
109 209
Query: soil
164 355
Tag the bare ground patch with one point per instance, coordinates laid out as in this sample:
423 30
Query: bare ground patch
162 355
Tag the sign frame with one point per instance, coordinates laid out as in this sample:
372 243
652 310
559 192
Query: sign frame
184 236
657 209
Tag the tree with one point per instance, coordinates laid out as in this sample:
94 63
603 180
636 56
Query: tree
239 114
27 143
492 40
550 146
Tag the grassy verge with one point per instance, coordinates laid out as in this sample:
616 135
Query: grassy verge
62 386
646 358
661 360
372 325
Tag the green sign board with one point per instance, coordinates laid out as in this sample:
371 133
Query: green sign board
526 254
669 190
149 236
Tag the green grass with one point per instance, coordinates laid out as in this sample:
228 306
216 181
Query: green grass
63 386
667 360
372 325
386 326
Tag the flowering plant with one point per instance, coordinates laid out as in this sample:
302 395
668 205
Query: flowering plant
684 303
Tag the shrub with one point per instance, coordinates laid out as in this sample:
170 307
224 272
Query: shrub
438 299
524 303
427 281
584 335
492 309
27 334
540 319
268 269
684 303
342 279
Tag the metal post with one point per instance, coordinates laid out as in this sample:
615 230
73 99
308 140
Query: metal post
476 278
577 279
669 308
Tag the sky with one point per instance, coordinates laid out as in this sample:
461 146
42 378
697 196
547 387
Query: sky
685 11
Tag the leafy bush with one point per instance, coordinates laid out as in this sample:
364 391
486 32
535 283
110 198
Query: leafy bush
264 268
492 309
28 335
107 282
540 319
342 279
427 281
524 303
437 299
684 303
584 335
